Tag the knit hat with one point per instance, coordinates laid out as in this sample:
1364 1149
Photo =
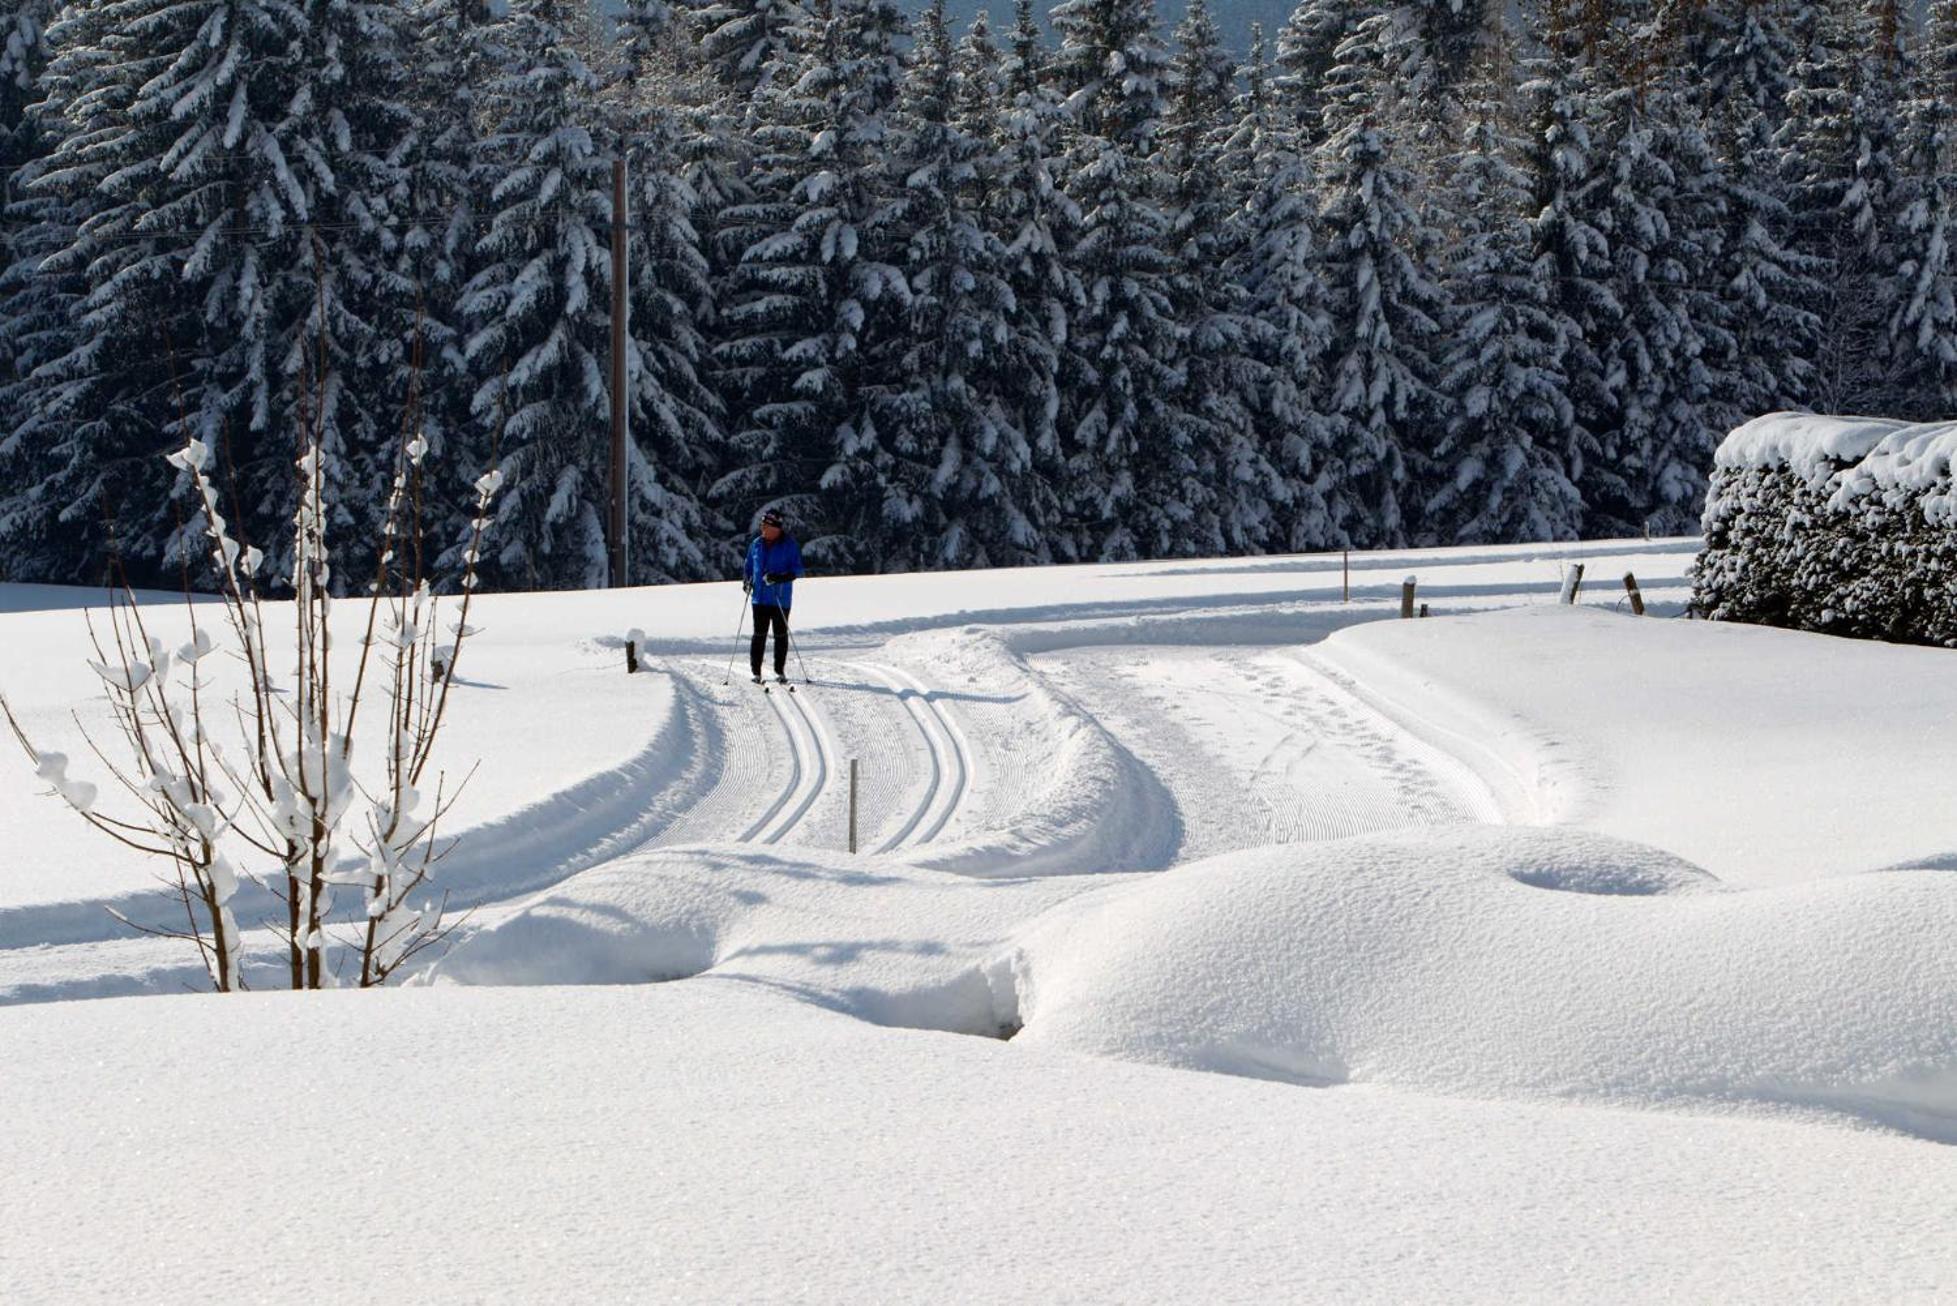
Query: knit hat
772 517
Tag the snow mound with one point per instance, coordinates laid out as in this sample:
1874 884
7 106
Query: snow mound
1851 456
882 941
1438 961
1804 441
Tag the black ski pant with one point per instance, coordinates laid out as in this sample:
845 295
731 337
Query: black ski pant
767 616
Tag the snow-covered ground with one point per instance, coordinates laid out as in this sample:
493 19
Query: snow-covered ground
1214 936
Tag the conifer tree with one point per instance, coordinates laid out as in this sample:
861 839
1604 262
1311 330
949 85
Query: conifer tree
1307 52
745 41
1570 250
677 442
1222 374
1923 313
819 299
225 162
1496 476
1770 286
1386 306
1119 391
1277 264
538 307
954 403
1036 222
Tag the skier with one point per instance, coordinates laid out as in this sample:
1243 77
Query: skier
774 560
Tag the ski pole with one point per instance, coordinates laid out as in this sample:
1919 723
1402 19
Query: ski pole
739 626
796 647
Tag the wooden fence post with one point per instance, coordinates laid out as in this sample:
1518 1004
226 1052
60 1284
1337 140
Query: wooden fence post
1346 574
633 638
1572 582
1637 599
1406 596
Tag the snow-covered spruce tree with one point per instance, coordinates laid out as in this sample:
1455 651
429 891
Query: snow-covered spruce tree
1570 250
1496 476
1838 157
1770 289
1656 438
744 41
23 142
1307 51
538 310
139 357
1132 486
677 440
818 300
1221 357
1428 45
1277 264
224 163
37 305
953 398
1036 221
438 224
1386 303
1923 317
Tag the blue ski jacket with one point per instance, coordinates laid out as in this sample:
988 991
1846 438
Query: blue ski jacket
782 558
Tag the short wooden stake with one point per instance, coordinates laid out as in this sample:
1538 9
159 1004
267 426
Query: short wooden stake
1346 588
632 640
1637 599
1572 582
852 804
1423 609
1406 597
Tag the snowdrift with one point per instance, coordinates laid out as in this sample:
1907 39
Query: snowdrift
892 944
1514 963
1764 756
1846 525
713 1143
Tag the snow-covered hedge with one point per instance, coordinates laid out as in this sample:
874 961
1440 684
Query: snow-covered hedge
1846 525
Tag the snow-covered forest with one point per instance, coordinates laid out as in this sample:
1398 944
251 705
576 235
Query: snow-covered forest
1445 272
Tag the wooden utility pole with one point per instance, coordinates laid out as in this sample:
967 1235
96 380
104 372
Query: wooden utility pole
620 559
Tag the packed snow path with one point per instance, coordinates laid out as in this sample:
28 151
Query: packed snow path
1261 747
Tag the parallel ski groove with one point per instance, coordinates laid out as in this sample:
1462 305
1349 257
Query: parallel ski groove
950 759
903 696
794 780
959 752
821 766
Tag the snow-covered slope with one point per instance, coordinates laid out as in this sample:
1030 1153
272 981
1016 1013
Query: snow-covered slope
1765 756
1567 932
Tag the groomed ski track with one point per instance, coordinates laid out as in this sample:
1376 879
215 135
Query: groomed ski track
1048 741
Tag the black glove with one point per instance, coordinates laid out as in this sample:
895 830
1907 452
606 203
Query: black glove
747 584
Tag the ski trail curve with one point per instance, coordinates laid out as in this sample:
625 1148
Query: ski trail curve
951 752
948 753
762 827
810 739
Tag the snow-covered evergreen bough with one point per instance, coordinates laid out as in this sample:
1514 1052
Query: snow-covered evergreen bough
1842 525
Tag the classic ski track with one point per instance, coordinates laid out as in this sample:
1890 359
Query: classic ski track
903 696
811 759
761 823
957 749
947 759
